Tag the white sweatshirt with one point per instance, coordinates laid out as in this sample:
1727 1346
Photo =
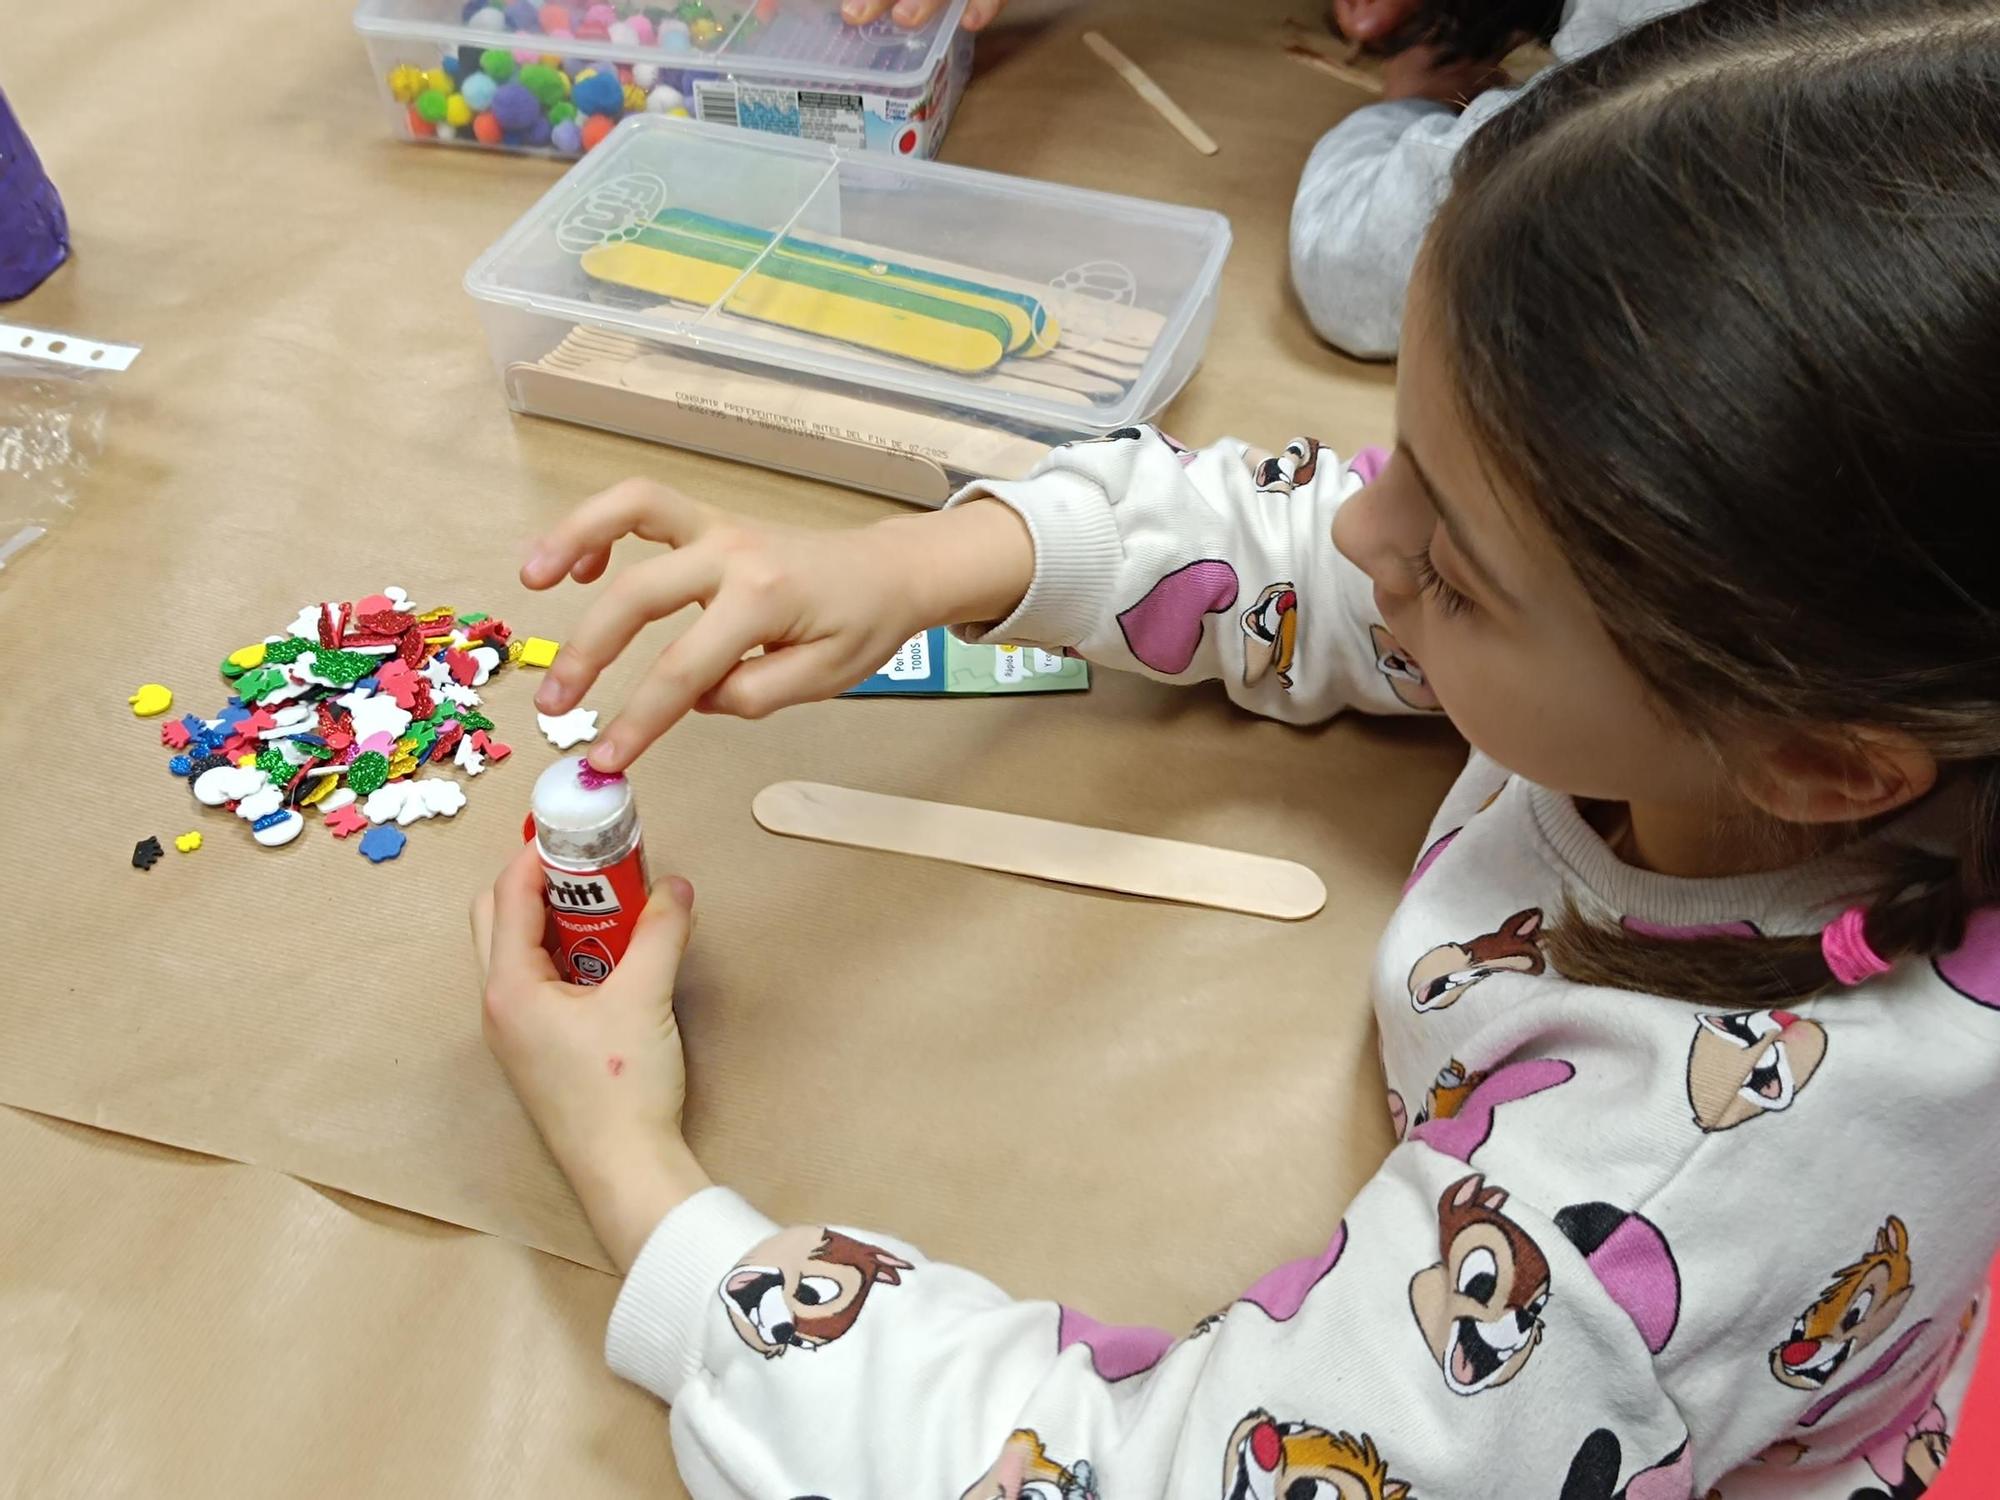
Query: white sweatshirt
1625 1249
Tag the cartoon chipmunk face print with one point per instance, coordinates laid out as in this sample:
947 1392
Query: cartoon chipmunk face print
1480 1308
1857 1309
1024 1471
1445 1097
1749 1063
1284 472
1270 635
1405 677
1449 970
1270 1460
803 1288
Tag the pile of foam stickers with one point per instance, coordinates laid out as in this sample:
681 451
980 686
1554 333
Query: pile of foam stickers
342 712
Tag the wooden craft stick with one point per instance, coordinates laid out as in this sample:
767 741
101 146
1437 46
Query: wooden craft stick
1151 92
1071 853
1344 69
604 379
997 379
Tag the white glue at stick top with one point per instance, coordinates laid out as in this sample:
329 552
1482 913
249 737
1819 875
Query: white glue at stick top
584 819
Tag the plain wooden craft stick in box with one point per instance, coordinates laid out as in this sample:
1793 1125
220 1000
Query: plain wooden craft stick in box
1071 853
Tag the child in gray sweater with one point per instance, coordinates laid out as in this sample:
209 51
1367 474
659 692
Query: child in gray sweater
1370 187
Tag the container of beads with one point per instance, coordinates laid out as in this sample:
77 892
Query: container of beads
890 324
554 76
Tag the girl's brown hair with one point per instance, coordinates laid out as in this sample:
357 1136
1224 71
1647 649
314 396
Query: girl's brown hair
1724 304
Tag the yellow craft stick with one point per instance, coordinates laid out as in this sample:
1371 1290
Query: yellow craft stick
1152 93
961 347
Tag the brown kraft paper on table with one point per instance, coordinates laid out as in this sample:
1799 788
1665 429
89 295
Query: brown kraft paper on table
176 1325
1078 1095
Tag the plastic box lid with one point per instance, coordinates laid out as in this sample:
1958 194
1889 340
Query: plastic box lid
774 39
1125 284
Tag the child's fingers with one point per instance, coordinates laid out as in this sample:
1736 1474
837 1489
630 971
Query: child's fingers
685 671
981 13
914 13
782 677
590 567
861 12
482 930
633 507
514 943
658 940
648 591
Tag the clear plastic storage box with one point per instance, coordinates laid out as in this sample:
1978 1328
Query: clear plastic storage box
555 75
898 326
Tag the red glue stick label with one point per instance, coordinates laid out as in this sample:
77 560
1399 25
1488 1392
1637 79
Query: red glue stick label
592 914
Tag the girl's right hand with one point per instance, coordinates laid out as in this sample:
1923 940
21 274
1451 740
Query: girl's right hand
827 607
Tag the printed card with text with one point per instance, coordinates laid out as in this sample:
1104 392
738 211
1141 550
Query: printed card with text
938 664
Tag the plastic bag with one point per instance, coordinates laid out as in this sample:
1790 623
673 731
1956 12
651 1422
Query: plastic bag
54 404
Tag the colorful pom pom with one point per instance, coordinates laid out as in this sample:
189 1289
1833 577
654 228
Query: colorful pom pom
497 64
567 137
457 111
595 129
478 91
546 84
598 94
430 104
405 83
485 129
515 107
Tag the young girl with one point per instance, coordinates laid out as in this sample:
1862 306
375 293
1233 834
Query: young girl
1692 1008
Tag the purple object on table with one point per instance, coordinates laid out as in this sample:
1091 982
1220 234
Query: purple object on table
34 233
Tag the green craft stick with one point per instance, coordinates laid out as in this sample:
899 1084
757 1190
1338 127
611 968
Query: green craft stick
1035 325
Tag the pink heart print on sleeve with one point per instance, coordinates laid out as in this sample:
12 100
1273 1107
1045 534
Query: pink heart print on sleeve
1468 1127
1367 464
1281 1292
1973 968
1163 630
1120 1351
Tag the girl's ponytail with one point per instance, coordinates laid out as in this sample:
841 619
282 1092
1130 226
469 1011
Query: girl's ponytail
1919 910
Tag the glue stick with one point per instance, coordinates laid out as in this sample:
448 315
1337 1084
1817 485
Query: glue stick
586 830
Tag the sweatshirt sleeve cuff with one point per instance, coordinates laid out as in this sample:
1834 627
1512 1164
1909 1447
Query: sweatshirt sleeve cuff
655 1336
1077 556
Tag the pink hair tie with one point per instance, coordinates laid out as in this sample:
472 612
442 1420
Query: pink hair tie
1848 955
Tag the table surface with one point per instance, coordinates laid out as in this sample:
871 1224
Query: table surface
942 1053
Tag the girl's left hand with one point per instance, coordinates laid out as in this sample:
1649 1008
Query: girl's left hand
599 1070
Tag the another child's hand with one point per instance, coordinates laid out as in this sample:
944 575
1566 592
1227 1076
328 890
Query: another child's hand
599 1070
1416 73
827 607
911 14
